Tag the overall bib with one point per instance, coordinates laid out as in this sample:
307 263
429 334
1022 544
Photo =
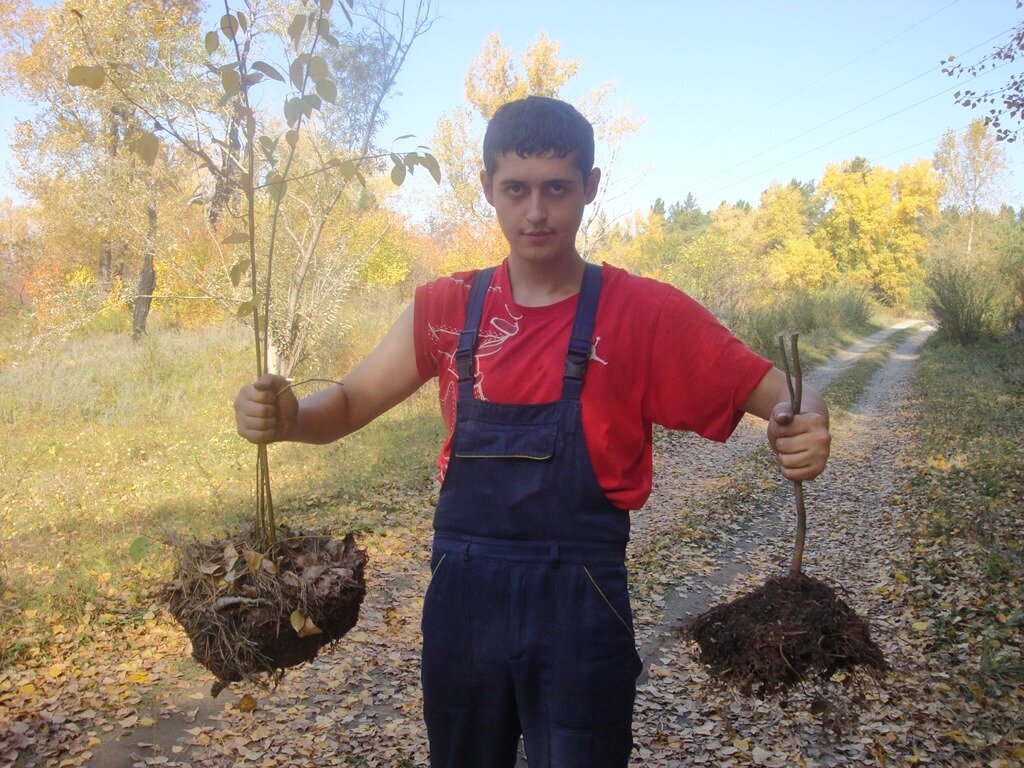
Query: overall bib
527 627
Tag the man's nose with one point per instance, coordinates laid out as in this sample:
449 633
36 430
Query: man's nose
536 210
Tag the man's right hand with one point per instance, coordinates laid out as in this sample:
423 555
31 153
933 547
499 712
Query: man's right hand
266 412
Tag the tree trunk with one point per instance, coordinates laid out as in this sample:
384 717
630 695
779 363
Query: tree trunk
147 278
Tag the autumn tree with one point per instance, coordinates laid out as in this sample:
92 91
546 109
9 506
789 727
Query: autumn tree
20 253
494 78
873 225
783 244
973 165
99 202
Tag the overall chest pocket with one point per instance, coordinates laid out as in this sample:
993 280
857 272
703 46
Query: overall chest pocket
481 439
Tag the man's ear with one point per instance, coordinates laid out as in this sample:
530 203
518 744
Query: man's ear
488 185
593 180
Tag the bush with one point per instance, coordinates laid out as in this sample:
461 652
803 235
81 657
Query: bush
963 301
830 312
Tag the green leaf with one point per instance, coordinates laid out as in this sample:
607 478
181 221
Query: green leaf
236 237
245 309
324 28
429 162
292 137
314 101
268 70
293 109
347 14
212 42
139 547
238 270
398 174
277 186
327 90
318 67
242 21
406 136
231 81
90 77
326 5
297 71
348 170
147 146
229 26
297 27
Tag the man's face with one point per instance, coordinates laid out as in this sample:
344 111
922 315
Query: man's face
539 201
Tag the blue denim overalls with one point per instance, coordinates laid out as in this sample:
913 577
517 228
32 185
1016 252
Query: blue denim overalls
527 626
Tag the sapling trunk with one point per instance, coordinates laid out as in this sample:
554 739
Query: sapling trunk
795 381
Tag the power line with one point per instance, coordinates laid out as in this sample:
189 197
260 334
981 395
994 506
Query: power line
844 136
841 67
928 71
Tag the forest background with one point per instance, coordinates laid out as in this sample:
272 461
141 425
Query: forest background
127 301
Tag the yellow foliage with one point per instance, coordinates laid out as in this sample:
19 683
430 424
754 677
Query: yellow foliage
492 79
469 247
799 263
874 224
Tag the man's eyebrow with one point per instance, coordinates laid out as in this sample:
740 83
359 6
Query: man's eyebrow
507 182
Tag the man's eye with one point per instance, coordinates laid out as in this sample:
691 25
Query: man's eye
515 190
557 189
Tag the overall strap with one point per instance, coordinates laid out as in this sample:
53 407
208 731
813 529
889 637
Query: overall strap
466 348
578 354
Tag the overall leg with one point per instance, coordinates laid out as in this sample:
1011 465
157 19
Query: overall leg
577 686
468 700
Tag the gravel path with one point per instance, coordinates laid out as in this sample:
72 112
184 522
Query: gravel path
856 523
359 705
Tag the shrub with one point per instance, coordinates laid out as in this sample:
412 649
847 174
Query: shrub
963 301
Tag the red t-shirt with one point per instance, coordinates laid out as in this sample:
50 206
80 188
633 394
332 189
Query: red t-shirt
658 357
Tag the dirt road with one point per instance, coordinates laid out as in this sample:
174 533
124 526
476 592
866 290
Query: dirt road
719 521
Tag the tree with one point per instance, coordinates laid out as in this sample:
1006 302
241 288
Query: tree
76 154
20 253
493 79
874 223
687 218
1006 110
974 166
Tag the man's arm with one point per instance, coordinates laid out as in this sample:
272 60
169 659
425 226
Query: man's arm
802 441
268 411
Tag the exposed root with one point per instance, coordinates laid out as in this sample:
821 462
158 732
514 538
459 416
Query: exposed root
249 616
786 631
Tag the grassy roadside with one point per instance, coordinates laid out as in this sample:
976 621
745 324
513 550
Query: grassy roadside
107 441
966 581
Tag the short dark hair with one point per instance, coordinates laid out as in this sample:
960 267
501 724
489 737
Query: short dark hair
536 126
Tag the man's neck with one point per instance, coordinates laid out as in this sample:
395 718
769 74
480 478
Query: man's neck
545 283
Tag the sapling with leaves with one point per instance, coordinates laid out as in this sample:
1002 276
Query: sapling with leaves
268 597
793 627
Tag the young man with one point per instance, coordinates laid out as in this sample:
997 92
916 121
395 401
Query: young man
551 373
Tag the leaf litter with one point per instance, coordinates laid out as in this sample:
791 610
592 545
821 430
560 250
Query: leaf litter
117 677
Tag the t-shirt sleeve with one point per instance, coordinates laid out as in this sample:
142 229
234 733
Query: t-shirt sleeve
426 353
439 309
701 374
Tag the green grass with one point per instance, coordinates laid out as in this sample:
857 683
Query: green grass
968 482
106 441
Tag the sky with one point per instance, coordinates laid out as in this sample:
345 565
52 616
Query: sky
732 95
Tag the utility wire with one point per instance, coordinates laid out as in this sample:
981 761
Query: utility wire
928 71
827 75
844 136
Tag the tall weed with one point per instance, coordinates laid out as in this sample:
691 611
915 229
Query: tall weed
833 313
963 301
